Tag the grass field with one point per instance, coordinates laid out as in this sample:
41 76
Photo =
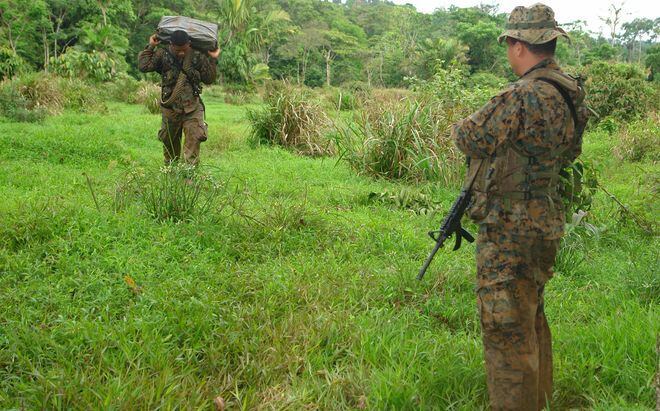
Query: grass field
310 304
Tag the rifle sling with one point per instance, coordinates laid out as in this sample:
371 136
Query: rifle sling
565 95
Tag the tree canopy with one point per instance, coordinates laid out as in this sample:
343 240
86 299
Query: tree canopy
311 42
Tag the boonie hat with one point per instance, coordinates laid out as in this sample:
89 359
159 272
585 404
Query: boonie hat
533 25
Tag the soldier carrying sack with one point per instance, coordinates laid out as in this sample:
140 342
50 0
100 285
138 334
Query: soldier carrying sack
182 69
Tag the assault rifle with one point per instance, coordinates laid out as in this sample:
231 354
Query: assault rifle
452 223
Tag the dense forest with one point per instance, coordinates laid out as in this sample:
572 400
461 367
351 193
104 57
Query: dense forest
305 41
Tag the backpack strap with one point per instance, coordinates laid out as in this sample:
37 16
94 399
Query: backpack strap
566 96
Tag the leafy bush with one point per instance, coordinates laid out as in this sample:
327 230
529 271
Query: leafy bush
292 118
239 94
240 98
620 90
451 87
176 192
92 66
579 185
486 80
11 63
408 141
129 90
639 140
271 88
357 87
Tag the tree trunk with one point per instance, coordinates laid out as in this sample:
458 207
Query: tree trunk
12 44
57 33
380 70
304 65
104 13
298 72
46 50
327 67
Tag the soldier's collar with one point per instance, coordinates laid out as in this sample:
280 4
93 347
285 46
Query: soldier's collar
545 63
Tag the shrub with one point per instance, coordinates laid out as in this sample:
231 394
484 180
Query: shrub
149 94
336 98
11 63
238 94
384 96
451 88
639 140
176 192
15 107
576 243
43 91
292 118
123 88
81 96
56 93
486 80
213 91
579 184
357 87
92 66
620 90
239 98
408 141
271 88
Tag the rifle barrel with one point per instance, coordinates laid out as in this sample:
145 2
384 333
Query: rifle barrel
438 244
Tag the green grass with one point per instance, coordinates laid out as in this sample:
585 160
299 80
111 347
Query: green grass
310 304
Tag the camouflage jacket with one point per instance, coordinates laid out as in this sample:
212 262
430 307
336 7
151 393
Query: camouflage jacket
164 63
532 119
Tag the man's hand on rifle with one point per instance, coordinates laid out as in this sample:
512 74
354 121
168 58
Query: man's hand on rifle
214 53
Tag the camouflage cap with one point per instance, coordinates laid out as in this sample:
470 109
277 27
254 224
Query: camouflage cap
533 25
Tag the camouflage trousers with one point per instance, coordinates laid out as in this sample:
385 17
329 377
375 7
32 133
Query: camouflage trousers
175 123
511 274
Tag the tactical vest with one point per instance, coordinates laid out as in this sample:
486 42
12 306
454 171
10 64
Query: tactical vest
516 176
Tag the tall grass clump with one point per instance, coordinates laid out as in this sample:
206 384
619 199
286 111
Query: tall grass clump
406 141
175 192
15 107
148 94
33 96
123 88
126 89
576 243
292 118
409 138
639 140
81 96
339 99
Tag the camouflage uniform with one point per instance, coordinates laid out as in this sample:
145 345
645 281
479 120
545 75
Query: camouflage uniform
186 113
524 136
